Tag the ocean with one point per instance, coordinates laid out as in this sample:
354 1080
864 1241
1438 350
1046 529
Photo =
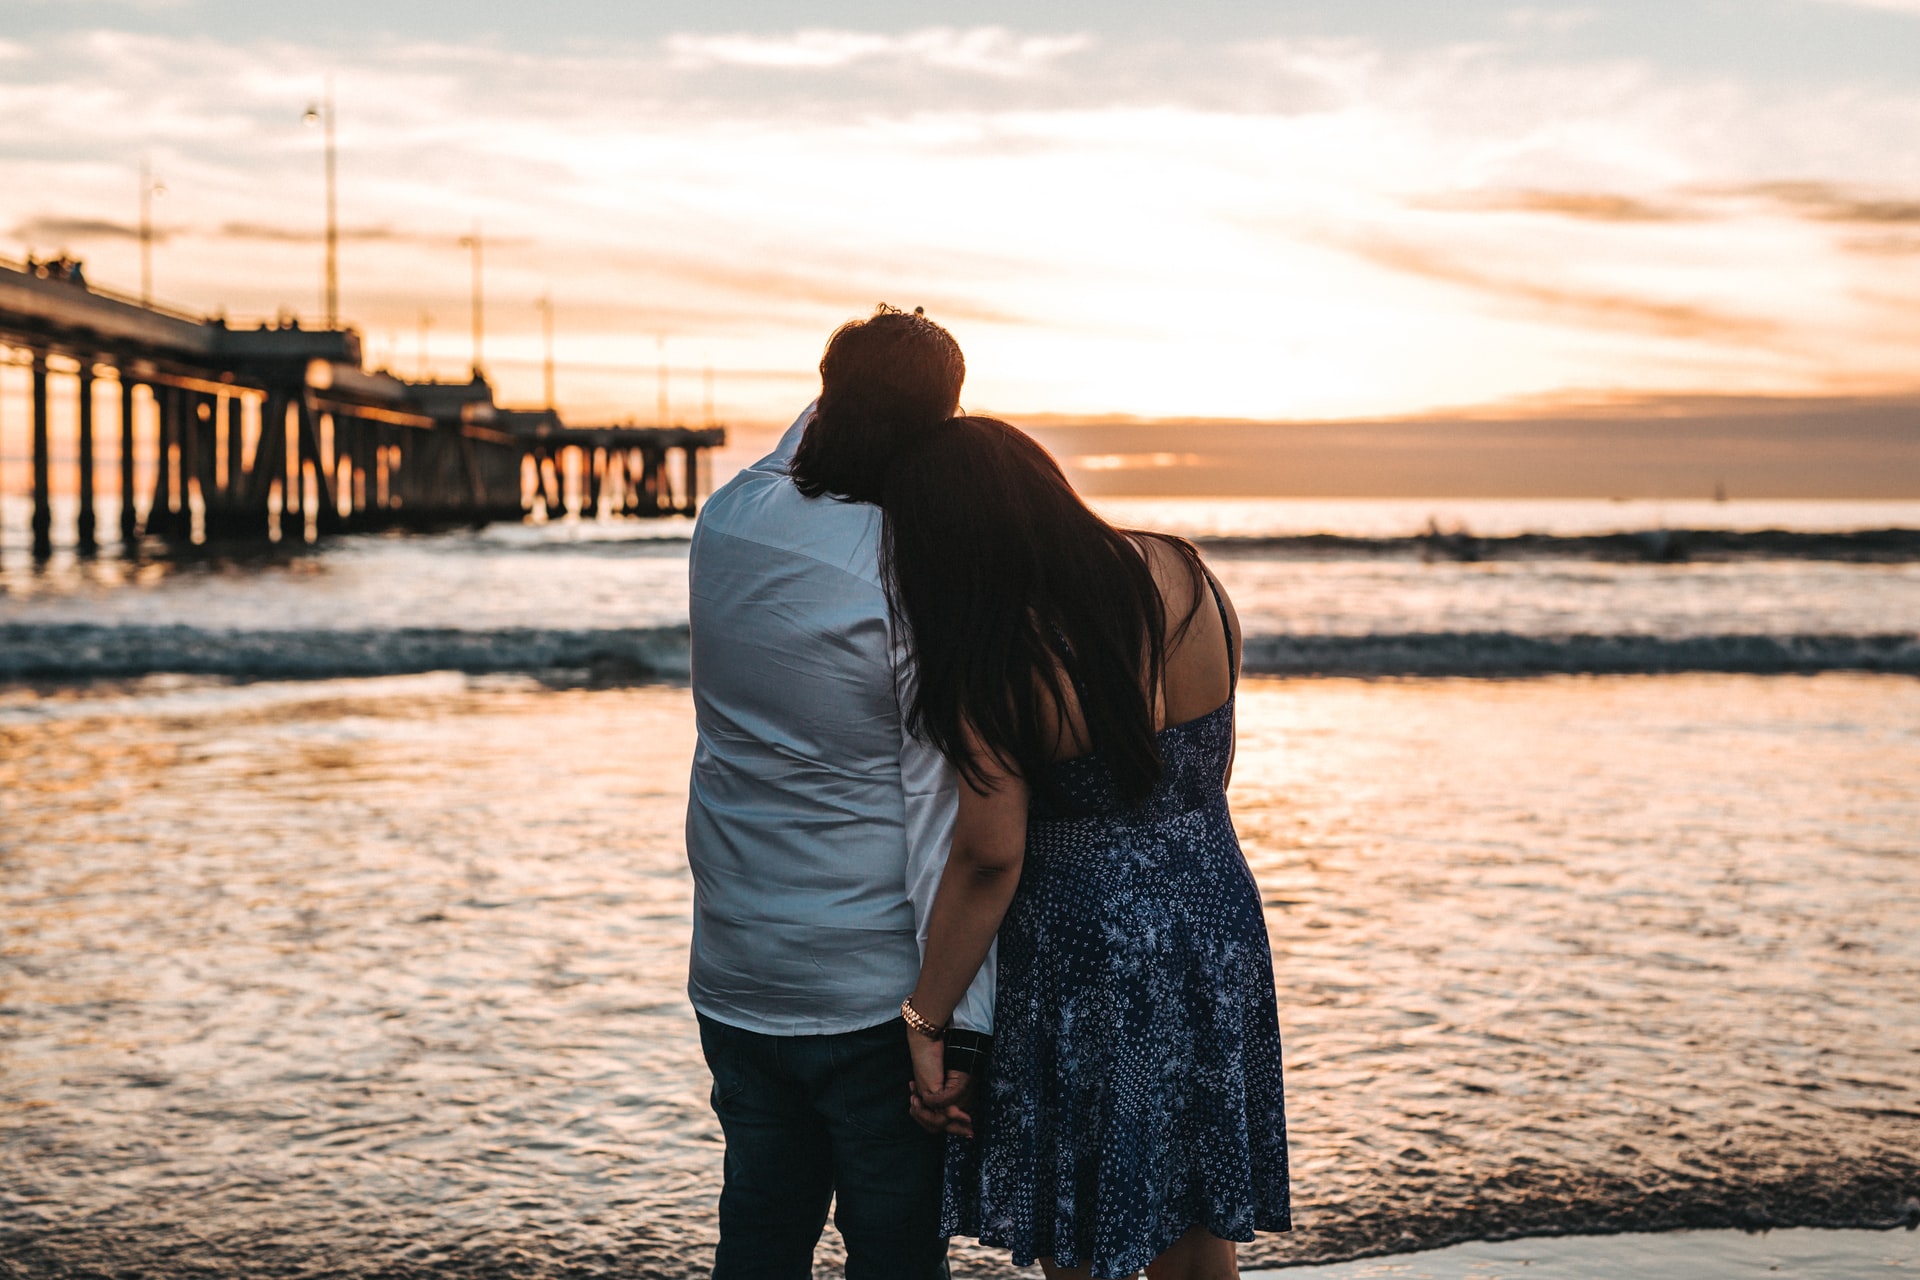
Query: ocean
1392 587
343 906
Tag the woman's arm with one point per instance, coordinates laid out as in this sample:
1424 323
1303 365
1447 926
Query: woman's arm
989 844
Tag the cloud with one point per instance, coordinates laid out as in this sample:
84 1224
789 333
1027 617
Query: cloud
143 6
1593 206
1890 6
1157 461
50 229
314 235
1136 225
987 51
1582 306
768 282
1815 201
1830 202
803 51
1552 21
56 230
1886 246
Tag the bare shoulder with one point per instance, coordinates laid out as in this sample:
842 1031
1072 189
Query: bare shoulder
1196 680
1188 585
1173 573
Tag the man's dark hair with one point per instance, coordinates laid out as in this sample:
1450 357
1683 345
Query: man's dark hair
881 378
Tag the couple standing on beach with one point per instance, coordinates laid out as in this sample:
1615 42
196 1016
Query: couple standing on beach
975 951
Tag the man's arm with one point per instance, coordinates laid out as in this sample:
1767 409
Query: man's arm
932 806
932 801
976 887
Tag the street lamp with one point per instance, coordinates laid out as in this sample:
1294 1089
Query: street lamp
660 380
545 304
321 113
150 187
479 318
426 322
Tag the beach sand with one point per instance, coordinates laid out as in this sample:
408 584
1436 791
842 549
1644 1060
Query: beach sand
1673 1255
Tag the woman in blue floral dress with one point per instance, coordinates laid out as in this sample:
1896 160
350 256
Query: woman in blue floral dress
1081 679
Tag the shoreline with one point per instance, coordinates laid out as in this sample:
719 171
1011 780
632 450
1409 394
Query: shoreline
1798 1253
1795 1253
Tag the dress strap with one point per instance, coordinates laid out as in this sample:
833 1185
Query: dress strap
1226 630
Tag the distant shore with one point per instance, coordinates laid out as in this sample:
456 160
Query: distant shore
1658 447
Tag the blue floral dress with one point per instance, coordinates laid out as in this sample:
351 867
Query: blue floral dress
1134 1090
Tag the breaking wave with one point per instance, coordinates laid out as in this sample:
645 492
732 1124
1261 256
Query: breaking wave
1656 546
86 651
1506 653
83 651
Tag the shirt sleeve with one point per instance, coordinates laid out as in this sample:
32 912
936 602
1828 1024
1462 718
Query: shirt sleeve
782 456
932 804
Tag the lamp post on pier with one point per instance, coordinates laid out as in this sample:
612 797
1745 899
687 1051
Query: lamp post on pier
150 187
473 242
660 380
321 113
426 322
545 303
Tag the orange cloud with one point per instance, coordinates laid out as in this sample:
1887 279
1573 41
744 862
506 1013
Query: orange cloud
1612 310
67 231
1832 202
1593 206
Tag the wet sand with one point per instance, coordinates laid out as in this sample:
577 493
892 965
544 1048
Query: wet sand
385 977
1677 1255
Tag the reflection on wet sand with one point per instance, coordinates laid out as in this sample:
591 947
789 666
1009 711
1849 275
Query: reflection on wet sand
387 975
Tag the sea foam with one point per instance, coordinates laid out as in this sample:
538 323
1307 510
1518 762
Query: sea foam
81 651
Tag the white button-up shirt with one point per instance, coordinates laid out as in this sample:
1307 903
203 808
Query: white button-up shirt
817 827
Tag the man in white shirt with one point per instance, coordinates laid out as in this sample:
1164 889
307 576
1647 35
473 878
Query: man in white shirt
817 828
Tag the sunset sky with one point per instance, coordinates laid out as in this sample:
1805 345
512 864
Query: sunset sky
1311 210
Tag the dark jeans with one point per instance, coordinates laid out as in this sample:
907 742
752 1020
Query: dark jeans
813 1119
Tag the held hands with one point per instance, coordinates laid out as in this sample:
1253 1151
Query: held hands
937 1097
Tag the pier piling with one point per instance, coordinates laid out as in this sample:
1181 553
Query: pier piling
159 520
84 526
235 479
42 466
335 448
129 516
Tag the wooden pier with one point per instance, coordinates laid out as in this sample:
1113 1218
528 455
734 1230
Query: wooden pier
278 432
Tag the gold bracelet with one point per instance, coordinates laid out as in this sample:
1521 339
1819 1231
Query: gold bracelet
915 1021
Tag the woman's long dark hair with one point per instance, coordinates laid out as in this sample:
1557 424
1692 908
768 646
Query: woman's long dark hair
992 561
